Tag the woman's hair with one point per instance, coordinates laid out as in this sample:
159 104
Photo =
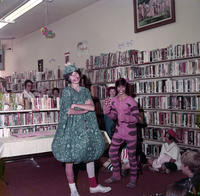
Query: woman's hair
55 89
109 89
66 76
191 159
26 82
176 189
121 82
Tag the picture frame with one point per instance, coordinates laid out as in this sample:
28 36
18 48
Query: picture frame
149 14
40 65
2 60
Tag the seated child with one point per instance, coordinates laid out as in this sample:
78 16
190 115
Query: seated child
170 158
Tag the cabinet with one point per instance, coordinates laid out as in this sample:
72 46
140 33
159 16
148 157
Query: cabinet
166 83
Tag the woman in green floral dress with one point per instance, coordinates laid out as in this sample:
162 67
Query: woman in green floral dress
78 138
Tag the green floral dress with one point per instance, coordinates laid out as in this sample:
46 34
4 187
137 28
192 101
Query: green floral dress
78 138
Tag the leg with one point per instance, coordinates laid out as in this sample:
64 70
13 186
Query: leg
114 156
131 147
109 125
70 177
94 188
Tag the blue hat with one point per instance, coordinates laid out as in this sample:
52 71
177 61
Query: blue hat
70 68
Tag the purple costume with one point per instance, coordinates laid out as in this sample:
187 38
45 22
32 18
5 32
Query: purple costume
127 115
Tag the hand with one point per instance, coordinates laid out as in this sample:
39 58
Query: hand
70 111
73 106
108 102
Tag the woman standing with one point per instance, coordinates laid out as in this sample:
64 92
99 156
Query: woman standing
124 109
109 123
78 138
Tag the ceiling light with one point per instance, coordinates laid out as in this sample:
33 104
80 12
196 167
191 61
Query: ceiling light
18 12
2 24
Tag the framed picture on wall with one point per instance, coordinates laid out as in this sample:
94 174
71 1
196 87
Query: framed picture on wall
40 65
1 60
153 13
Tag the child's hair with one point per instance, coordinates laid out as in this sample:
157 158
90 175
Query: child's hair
121 82
176 189
109 89
191 159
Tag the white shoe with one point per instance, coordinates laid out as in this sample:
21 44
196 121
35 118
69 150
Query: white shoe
100 189
75 193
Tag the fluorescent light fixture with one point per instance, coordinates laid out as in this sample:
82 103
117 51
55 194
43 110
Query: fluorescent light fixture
2 24
18 12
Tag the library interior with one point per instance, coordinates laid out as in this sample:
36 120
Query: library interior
99 96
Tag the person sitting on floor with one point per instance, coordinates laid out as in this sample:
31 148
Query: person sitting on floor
191 168
170 158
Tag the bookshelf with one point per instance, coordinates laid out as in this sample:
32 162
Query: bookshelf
48 79
26 123
166 83
17 120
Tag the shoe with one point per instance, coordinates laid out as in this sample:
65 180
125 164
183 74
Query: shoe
153 169
124 172
131 185
100 189
75 193
111 180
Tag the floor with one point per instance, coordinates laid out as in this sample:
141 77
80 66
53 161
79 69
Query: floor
25 179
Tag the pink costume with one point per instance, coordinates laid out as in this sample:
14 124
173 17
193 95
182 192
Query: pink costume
127 114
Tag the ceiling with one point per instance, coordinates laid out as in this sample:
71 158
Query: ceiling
45 13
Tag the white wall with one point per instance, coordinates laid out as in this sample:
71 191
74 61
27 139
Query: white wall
105 25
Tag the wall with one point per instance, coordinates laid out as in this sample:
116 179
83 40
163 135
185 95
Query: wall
105 25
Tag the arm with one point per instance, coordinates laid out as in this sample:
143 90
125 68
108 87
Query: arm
89 106
133 115
73 111
65 103
82 108
174 153
172 160
110 110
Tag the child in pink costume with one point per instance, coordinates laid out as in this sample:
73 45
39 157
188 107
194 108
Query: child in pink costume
124 109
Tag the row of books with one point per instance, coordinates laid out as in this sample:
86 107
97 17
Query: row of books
147 72
110 75
37 86
169 102
184 136
35 118
171 118
45 103
100 91
138 57
184 85
152 150
112 59
170 52
16 101
11 101
33 131
35 76
166 69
